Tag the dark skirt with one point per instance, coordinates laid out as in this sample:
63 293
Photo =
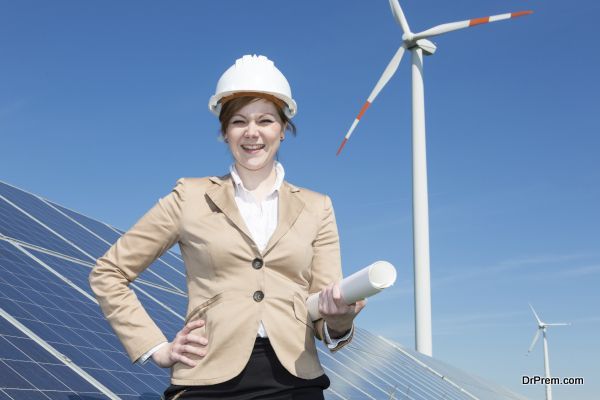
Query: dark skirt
262 378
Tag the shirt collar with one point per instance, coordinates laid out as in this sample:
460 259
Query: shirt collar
279 175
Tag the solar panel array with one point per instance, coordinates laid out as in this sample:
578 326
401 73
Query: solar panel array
56 344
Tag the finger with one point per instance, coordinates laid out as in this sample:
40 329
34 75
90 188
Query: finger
201 340
328 303
184 360
323 299
190 349
198 323
336 293
359 306
320 304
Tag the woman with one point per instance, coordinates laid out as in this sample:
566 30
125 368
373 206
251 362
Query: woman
254 248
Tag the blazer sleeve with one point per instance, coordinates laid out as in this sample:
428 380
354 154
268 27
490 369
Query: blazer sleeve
326 263
152 235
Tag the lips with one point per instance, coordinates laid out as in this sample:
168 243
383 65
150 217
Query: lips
253 147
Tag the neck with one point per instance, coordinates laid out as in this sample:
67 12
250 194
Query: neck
254 179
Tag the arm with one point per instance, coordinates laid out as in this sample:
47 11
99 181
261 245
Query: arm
132 253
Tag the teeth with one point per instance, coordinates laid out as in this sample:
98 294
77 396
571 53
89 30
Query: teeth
253 146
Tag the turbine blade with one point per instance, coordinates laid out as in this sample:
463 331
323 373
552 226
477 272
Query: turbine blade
535 338
453 26
559 324
389 71
536 316
399 15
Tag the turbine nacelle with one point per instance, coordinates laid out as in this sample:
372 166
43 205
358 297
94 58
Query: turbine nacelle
410 41
426 45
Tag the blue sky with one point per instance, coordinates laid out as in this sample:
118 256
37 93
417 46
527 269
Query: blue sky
103 105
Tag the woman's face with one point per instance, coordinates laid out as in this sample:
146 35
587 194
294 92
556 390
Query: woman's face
254 134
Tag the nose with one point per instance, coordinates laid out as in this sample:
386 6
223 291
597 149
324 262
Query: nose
252 129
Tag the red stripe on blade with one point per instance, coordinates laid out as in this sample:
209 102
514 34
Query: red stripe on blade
520 13
341 147
479 21
363 109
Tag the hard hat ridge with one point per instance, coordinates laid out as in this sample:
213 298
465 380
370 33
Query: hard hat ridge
253 74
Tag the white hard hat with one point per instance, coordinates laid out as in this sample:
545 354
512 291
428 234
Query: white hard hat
253 74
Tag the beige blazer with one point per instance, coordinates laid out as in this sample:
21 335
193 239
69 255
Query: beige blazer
231 284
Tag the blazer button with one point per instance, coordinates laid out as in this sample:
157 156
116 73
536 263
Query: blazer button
258 296
257 263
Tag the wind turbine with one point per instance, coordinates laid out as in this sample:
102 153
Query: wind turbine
542 326
418 44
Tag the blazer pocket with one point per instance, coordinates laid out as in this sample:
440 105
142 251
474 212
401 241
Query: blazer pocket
203 307
301 311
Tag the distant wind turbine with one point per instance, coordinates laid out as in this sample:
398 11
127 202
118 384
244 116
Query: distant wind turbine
418 44
542 326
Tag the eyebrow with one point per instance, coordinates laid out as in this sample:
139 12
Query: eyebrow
259 116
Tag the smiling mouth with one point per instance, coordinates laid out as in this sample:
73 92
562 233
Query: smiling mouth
253 147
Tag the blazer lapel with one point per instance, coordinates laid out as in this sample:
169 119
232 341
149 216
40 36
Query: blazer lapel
223 195
290 207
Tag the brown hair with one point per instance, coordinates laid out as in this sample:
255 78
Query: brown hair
230 107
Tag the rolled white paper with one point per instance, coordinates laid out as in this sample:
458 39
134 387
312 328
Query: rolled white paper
360 285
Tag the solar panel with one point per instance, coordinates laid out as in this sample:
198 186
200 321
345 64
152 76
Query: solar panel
71 323
56 344
55 221
102 230
14 223
30 219
20 356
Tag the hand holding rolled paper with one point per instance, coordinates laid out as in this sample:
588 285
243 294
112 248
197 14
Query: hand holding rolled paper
360 285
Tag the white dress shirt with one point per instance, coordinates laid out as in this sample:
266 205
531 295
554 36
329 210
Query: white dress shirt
261 220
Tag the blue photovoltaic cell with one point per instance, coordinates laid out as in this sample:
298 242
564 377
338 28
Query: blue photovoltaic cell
100 229
477 386
162 275
370 368
415 381
17 225
353 367
28 371
71 323
411 377
177 302
171 274
173 260
56 221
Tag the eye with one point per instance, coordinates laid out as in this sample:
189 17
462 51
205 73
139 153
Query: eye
266 121
237 122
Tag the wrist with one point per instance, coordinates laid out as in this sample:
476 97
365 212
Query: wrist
336 331
161 356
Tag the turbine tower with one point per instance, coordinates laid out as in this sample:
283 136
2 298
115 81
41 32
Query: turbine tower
542 326
419 45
